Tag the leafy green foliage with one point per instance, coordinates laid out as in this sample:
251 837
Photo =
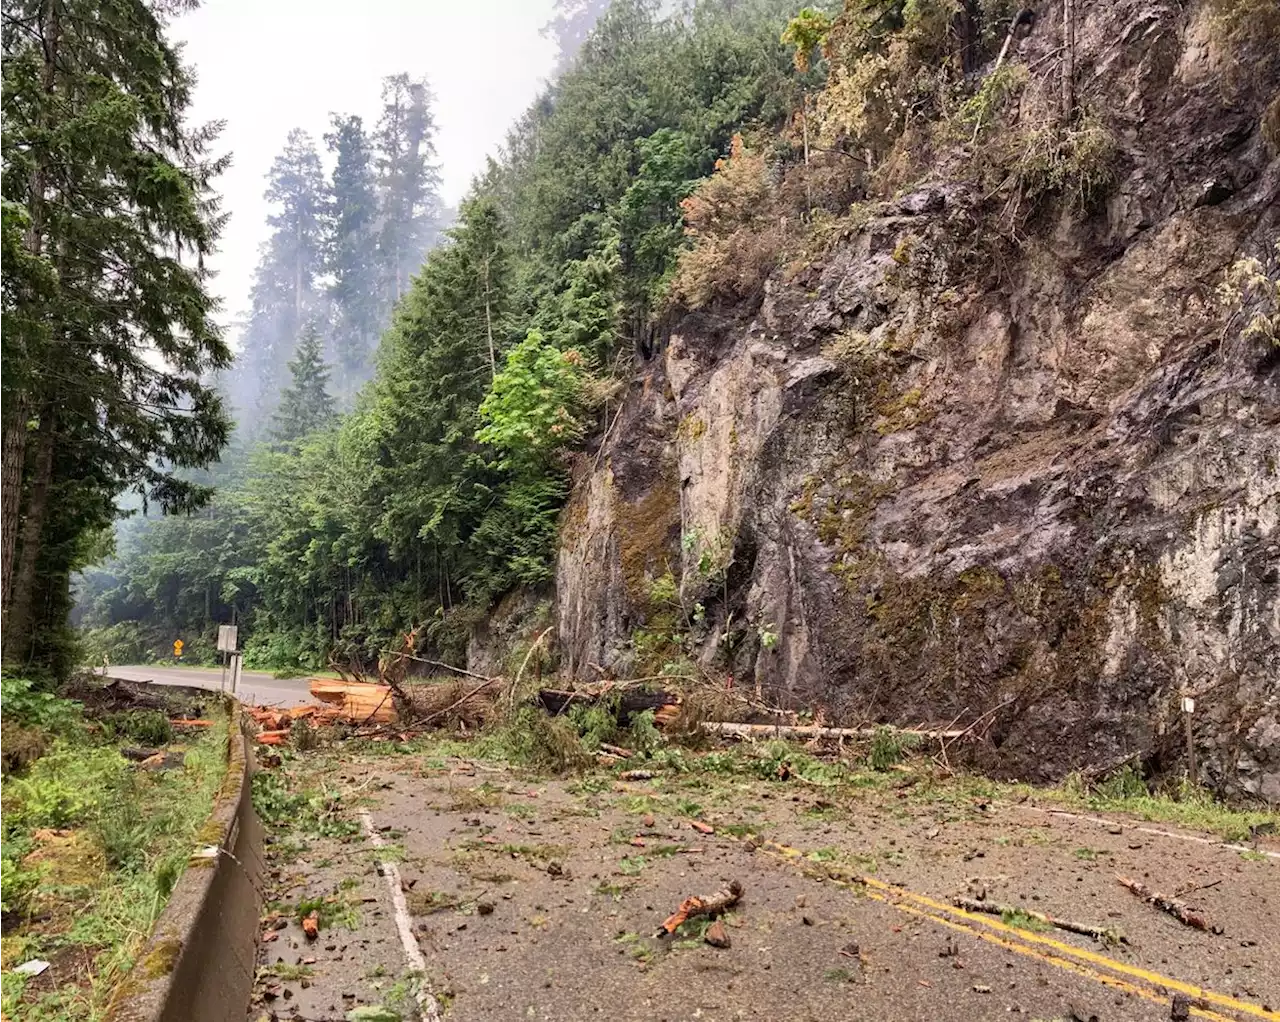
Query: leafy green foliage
889 748
807 31
145 727
18 882
533 408
27 704
283 806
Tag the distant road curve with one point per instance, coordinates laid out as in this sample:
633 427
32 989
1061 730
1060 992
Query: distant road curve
256 687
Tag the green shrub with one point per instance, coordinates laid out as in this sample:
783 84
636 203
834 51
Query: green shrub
146 727
62 789
544 743
643 734
120 826
889 747
17 885
274 651
25 704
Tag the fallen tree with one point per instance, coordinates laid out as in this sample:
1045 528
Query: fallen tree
817 731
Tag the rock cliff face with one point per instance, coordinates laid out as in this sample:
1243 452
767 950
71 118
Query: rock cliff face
1033 484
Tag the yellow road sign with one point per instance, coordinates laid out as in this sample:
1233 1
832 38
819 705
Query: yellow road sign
177 648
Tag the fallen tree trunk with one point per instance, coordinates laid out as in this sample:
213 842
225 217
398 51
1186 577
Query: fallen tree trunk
357 701
814 731
1180 910
1102 933
557 701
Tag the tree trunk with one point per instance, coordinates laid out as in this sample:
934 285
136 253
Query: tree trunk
965 29
1068 58
15 450
488 322
17 630
18 408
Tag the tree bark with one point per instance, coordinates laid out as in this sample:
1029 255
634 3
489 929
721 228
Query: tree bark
1068 58
488 322
17 630
14 457
18 408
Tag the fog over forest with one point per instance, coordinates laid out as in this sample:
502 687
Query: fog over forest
418 242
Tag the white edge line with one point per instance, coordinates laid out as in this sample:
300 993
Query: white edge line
1151 830
427 1003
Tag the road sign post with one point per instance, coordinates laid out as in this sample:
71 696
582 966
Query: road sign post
227 638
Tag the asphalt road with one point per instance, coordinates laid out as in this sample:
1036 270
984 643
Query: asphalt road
256 687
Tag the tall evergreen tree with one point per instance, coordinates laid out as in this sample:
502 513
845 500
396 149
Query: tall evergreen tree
353 250
296 184
108 328
290 262
305 405
408 182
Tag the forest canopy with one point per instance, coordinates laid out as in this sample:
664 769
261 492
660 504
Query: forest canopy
440 485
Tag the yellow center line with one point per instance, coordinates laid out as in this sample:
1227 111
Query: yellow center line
1059 954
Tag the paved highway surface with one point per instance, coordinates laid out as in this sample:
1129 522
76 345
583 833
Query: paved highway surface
256 687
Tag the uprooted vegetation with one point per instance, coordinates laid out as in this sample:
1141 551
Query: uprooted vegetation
101 813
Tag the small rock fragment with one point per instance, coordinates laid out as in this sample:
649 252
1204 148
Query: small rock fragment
981 988
1180 1010
485 908
717 935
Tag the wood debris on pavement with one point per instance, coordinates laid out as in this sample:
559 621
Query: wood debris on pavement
712 905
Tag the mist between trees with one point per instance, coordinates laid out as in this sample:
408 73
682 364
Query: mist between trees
344 512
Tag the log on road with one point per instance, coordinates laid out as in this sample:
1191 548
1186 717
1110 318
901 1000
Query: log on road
816 731
357 701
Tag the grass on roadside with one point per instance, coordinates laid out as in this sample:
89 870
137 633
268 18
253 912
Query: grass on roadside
93 846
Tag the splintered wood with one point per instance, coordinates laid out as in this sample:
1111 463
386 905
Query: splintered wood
346 702
358 702
691 908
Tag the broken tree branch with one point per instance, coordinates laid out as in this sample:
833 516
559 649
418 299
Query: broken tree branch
437 663
455 704
515 682
1180 910
1102 933
723 900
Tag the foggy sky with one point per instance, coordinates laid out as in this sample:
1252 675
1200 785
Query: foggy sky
266 66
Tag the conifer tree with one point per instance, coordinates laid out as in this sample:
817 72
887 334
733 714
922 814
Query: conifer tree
408 183
108 327
305 405
571 26
353 250
284 294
